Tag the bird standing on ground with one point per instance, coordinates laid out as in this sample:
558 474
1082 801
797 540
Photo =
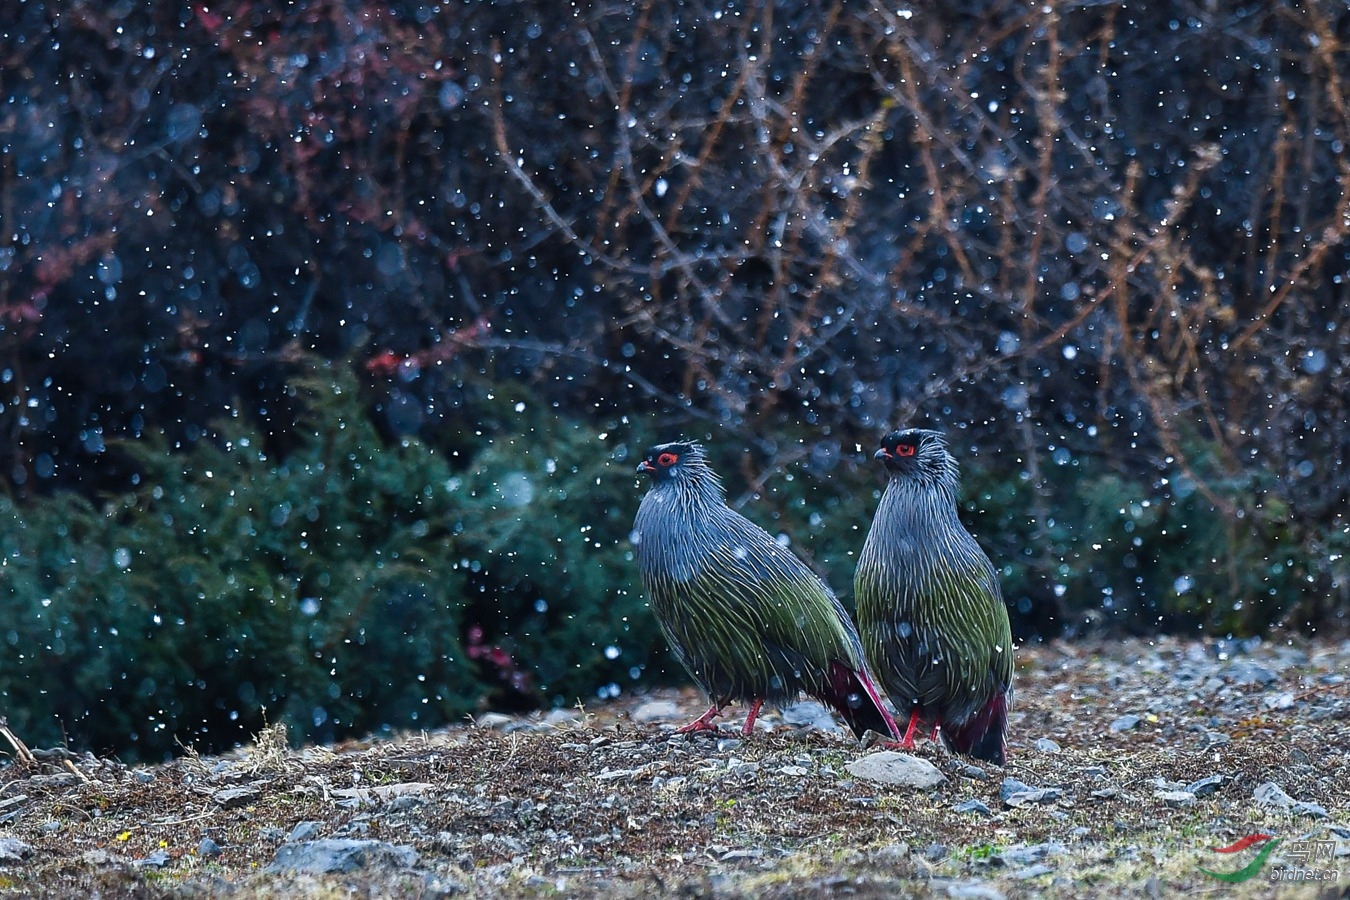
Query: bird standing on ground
930 610
744 615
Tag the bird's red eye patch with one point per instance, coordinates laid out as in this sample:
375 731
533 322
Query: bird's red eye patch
667 459
904 449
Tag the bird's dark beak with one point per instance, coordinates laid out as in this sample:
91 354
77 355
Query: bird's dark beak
883 453
645 466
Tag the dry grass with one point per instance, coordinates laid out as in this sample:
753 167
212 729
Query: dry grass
596 804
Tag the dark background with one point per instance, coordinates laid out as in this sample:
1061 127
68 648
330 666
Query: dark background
329 334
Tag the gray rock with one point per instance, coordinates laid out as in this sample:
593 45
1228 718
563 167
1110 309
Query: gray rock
1206 786
1012 786
1032 798
972 771
1026 854
1045 745
978 807
1244 671
208 849
561 717
889 767
231 798
813 714
1126 723
969 890
656 711
320 857
14 850
303 831
1279 701
1176 799
1272 796
405 803
1016 793
1032 872
1214 739
1304 808
492 720
157 860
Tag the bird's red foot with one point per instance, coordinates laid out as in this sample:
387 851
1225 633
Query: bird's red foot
907 742
703 722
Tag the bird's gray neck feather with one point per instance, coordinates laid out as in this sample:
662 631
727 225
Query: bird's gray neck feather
672 529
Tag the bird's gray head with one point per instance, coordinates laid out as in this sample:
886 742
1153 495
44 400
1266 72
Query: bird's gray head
919 454
678 462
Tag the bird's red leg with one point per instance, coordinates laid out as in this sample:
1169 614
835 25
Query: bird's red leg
907 743
749 725
876 698
703 722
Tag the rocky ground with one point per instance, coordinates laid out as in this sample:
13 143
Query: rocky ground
1130 763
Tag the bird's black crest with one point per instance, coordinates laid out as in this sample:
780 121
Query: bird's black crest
917 451
673 459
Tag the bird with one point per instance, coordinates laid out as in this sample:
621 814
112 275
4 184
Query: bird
929 606
743 614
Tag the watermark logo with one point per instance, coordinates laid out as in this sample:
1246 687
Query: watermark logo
1268 844
1300 859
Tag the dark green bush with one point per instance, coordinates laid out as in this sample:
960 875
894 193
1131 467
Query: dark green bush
333 588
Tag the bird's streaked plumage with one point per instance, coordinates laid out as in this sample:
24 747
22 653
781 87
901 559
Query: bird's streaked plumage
930 610
744 615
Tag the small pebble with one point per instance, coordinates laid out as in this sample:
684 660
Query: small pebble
656 711
1032 872
1126 723
1205 786
1028 798
1045 745
157 860
1176 799
1012 786
974 806
1272 796
1313 810
208 849
304 831
1026 854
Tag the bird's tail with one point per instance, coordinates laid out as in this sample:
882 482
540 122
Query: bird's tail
853 695
983 735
